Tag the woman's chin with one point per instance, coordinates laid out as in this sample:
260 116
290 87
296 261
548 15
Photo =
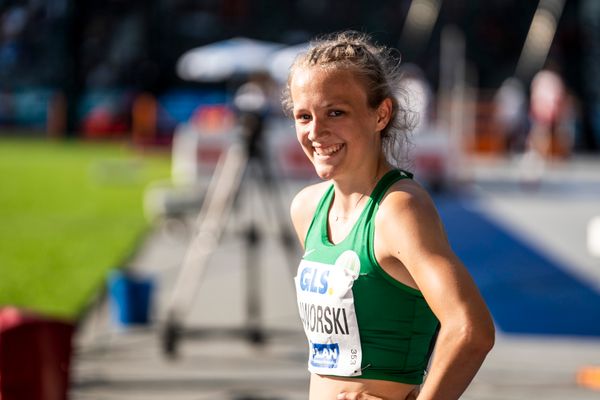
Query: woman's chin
324 172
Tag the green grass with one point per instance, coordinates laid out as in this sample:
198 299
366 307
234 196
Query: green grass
69 213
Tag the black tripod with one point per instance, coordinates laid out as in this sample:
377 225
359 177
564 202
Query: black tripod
243 161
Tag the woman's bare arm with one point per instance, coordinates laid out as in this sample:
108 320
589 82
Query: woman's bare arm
414 235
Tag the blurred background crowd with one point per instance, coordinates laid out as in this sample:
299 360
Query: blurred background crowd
84 68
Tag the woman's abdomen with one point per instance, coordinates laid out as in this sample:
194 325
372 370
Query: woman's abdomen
327 387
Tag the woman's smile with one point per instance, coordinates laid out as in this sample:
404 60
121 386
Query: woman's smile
326 151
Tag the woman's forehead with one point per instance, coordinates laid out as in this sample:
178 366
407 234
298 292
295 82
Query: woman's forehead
327 88
324 77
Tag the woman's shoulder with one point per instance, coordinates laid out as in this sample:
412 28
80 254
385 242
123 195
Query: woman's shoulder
406 197
305 204
407 207
307 199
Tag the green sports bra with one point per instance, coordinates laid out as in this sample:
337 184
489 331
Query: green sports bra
397 329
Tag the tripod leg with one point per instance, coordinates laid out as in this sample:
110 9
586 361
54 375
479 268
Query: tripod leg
210 226
253 305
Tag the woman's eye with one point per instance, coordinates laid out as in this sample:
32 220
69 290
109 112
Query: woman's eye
303 117
335 113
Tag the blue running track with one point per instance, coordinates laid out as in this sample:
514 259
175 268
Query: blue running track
526 291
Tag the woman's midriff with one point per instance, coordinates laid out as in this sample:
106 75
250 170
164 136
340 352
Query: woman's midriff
327 387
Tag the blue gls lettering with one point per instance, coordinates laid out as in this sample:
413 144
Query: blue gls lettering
304 279
311 280
324 284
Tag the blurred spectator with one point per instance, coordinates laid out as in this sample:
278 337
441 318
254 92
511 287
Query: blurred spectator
6 108
417 99
14 21
431 143
511 113
552 124
550 109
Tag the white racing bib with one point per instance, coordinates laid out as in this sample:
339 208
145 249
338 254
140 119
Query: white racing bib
326 306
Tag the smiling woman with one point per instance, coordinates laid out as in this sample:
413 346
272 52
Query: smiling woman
378 286
331 116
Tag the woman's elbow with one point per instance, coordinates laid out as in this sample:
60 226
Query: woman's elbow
481 337
487 338
476 337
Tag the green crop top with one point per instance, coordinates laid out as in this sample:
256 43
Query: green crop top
396 327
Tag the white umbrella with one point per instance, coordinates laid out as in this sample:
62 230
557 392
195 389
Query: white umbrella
281 61
222 60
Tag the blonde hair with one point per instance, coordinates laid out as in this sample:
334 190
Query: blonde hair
377 67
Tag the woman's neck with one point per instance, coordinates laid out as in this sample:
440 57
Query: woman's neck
351 192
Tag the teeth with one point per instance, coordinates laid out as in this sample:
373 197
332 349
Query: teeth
327 151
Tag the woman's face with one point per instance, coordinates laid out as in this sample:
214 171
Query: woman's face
337 129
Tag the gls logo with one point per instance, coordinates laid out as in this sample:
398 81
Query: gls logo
314 280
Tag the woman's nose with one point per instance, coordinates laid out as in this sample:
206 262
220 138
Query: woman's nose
316 129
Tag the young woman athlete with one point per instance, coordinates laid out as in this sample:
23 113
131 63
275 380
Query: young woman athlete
379 289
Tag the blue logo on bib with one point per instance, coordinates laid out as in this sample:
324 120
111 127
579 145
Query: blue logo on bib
314 280
325 355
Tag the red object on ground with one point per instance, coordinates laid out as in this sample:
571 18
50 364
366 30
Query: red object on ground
35 354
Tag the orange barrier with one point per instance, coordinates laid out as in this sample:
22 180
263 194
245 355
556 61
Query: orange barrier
144 118
589 377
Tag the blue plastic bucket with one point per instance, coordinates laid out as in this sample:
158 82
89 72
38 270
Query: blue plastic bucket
131 297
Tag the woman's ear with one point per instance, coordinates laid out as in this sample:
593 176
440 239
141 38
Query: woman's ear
384 113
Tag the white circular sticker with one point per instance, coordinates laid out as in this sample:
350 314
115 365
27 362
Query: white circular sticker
349 261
